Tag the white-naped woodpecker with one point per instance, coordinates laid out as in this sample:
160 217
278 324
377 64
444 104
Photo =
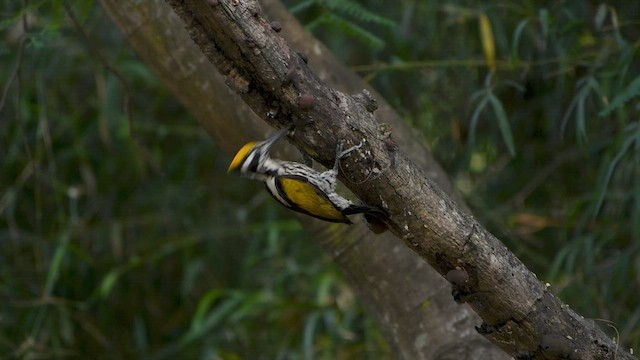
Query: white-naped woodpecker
298 186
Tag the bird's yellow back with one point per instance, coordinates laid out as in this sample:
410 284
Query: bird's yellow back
307 198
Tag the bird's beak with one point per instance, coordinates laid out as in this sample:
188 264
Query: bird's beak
265 145
268 143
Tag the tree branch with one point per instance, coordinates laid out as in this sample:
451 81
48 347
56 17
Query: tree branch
410 301
520 314
483 273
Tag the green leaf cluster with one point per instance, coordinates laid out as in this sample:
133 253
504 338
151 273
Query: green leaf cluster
344 16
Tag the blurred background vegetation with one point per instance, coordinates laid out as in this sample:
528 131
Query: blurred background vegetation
143 246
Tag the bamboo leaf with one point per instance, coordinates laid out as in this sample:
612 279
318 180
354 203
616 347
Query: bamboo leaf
301 6
359 12
348 28
56 264
503 123
488 41
610 170
543 17
631 91
522 25
601 15
108 282
203 307
309 334
474 122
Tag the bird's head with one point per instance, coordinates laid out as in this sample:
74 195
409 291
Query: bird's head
245 155
252 156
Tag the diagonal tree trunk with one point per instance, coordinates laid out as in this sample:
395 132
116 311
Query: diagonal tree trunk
519 313
391 280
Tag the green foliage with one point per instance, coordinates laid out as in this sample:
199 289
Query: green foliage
630 92
586 87
127 239
487 97
140 246
348 28
342 15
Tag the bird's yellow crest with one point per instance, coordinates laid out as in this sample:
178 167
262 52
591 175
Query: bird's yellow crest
241 155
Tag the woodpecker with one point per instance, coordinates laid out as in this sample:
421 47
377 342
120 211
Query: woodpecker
298 186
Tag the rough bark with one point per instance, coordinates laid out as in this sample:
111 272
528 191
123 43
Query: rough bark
411 302
520 315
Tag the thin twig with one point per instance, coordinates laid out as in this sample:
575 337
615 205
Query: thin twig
454 63
16 70
17 75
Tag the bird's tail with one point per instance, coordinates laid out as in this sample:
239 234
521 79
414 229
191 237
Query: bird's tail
375 217
364 209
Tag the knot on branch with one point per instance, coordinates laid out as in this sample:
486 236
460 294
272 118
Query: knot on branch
366 100
459 280
556 346
237 82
